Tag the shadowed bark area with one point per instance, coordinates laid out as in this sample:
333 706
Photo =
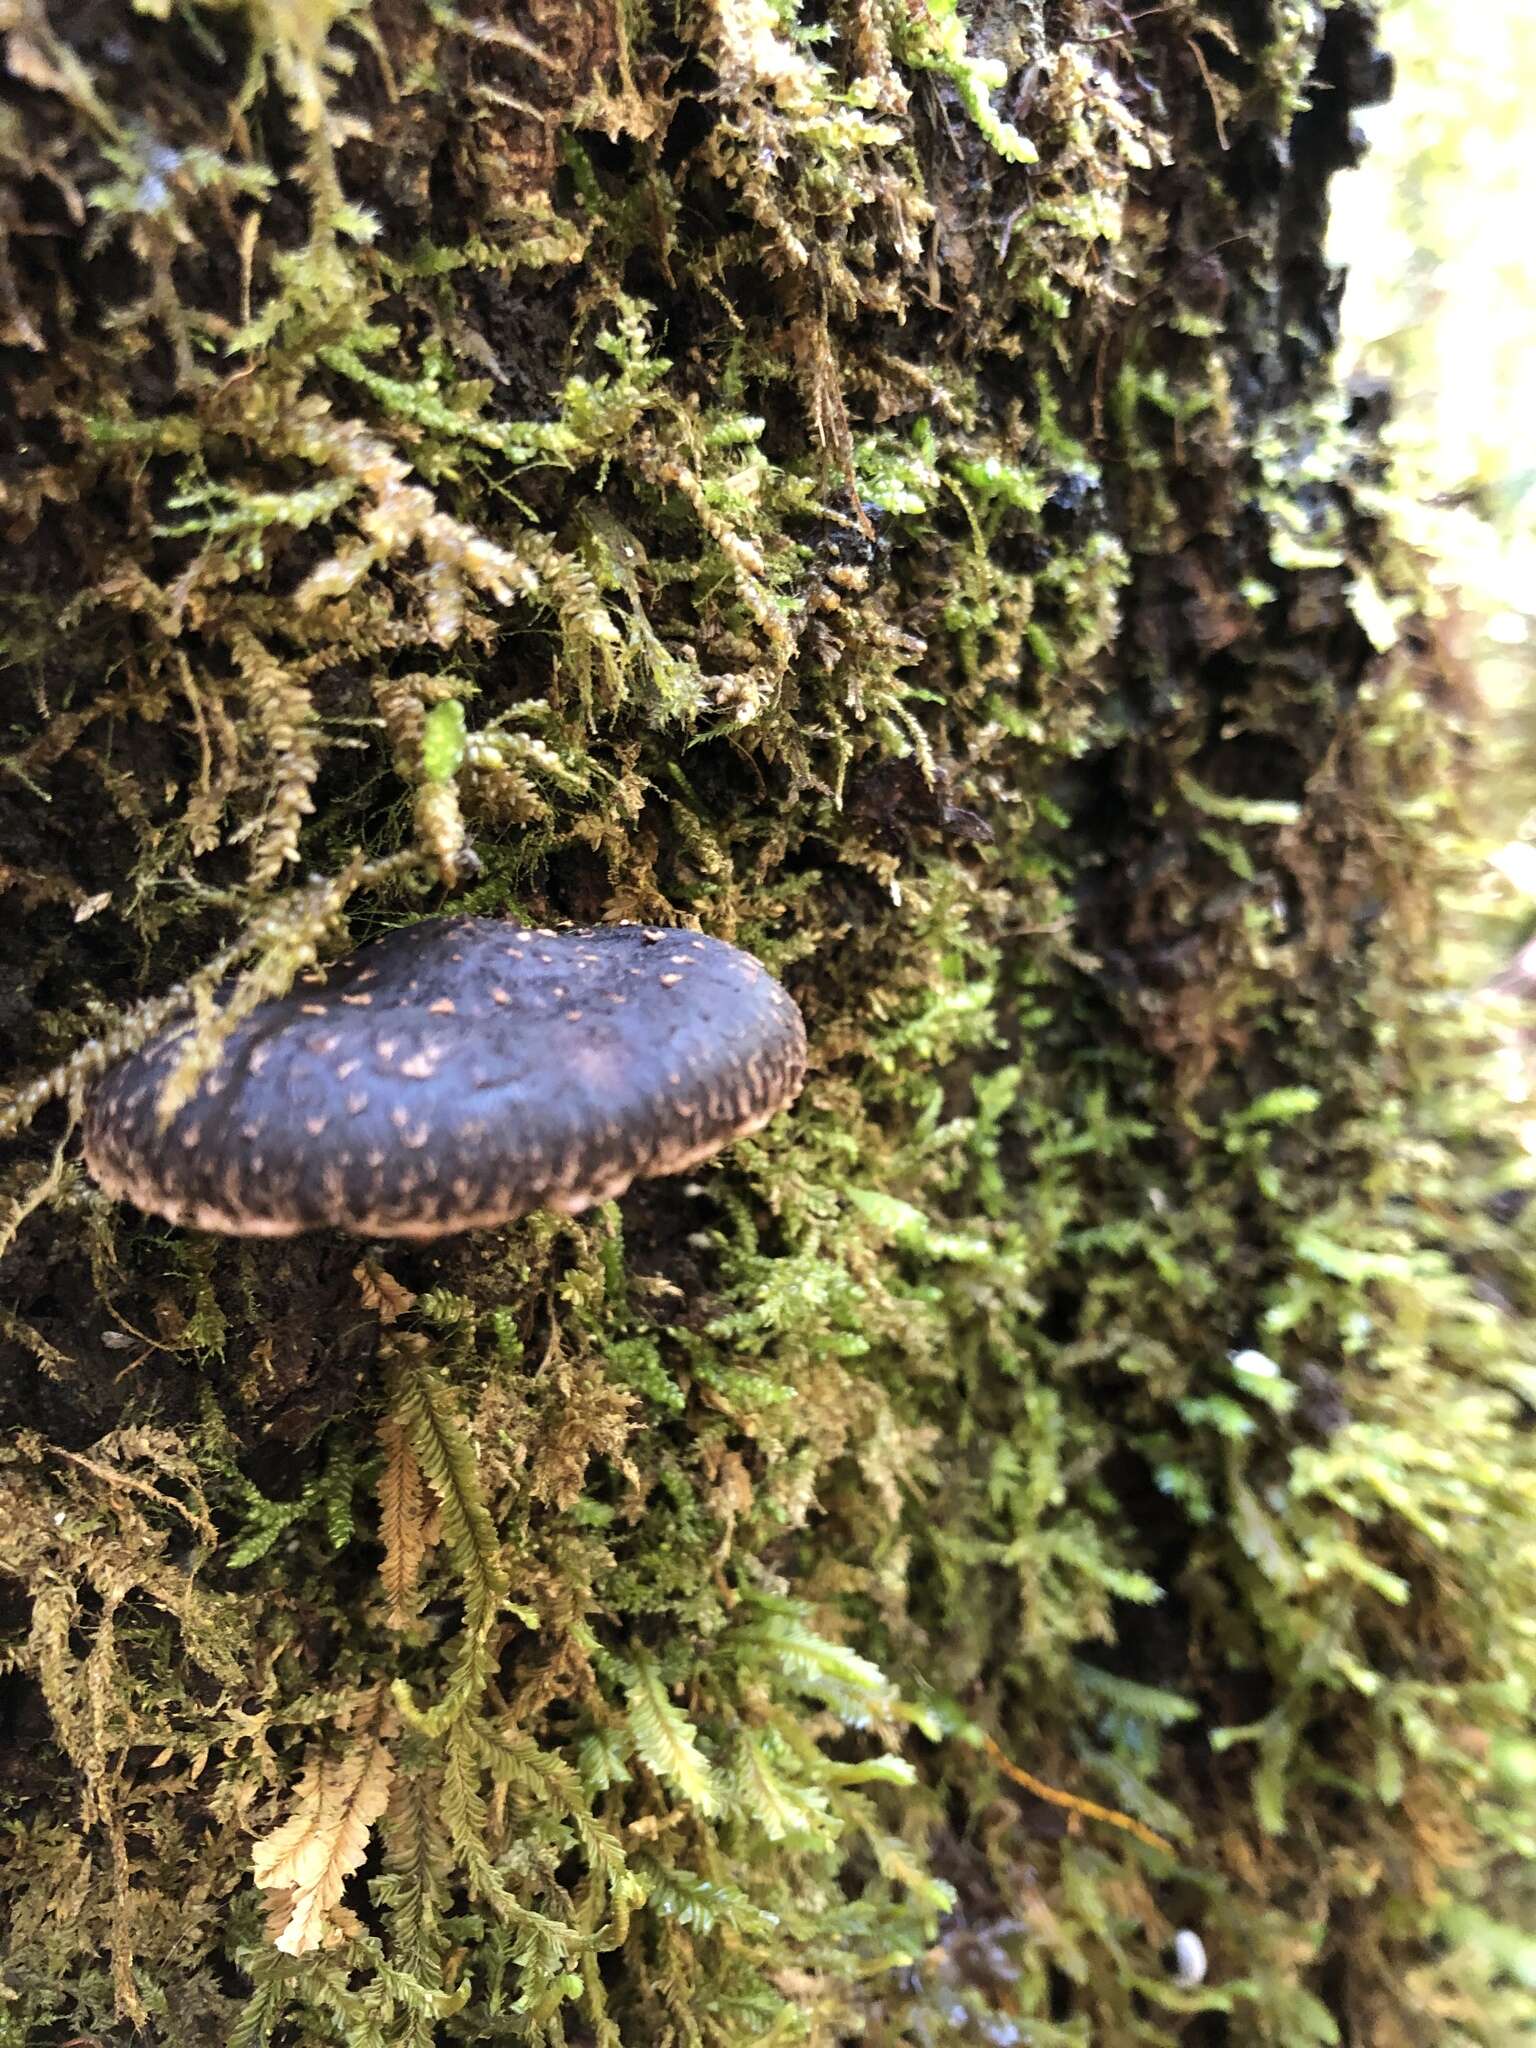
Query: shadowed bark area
868 483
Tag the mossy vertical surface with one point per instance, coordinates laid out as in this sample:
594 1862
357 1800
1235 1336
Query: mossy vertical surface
865 480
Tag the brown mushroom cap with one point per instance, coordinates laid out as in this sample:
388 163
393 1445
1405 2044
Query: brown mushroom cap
454 1075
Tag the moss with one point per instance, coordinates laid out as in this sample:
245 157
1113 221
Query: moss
869 482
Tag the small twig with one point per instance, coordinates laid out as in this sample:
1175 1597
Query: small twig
1210 85
1087 1809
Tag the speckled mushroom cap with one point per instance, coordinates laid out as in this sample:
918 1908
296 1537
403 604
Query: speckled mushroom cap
453 1075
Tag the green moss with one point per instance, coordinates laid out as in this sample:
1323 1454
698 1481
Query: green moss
867 482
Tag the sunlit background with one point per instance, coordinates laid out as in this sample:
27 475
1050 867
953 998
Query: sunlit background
1438 230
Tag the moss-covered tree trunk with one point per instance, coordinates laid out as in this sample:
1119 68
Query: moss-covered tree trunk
869 482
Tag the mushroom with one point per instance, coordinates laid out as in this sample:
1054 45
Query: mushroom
452 1076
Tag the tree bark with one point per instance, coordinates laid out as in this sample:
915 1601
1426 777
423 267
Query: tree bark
871 483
